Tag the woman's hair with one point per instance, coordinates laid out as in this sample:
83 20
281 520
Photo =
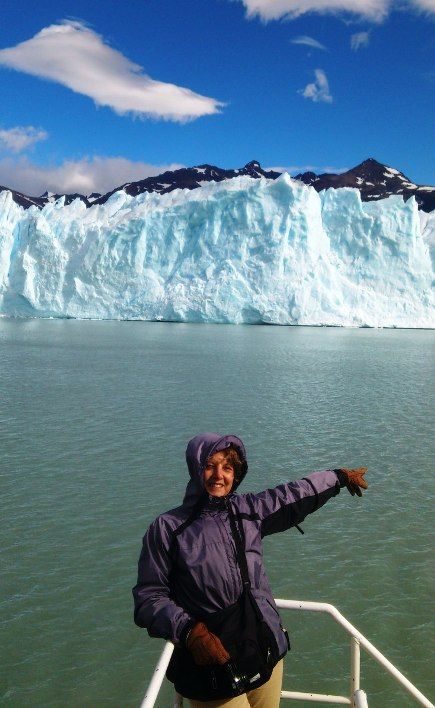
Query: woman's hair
232 456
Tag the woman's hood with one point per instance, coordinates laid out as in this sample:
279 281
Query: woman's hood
199 450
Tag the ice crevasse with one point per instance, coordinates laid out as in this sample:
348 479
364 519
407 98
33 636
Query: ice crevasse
242 250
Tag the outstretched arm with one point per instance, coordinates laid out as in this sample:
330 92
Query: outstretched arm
288 504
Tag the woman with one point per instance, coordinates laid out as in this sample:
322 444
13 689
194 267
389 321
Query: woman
193 577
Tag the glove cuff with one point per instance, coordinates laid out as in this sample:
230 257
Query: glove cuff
186 631
342 477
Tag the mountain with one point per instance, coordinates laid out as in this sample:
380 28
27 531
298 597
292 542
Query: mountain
26 202
374 181
184 178
189 178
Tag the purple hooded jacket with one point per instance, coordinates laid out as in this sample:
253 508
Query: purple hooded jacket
182 579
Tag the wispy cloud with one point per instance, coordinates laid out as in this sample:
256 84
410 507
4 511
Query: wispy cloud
318 91
73 55
21 137
360 39
375 10
308 42
96 174
427 6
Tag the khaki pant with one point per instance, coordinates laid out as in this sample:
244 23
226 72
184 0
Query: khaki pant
266 696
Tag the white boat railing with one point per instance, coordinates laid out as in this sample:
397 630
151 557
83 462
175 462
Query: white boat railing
357 698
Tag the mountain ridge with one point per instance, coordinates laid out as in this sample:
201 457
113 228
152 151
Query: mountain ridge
373 179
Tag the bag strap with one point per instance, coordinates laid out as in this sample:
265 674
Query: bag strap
240 547
239 540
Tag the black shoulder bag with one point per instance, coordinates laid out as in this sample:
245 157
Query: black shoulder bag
245 635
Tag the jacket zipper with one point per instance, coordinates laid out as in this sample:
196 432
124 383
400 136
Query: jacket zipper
235 575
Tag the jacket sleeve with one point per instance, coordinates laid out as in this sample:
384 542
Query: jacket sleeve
154 608
282 507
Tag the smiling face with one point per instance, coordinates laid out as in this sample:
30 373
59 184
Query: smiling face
218 475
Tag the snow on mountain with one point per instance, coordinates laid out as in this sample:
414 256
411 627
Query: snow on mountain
239 250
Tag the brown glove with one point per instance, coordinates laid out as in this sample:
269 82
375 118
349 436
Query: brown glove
355 480
206 647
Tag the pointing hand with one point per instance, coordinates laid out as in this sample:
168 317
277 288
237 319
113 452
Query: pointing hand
354 480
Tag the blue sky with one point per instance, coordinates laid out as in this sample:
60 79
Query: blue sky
97 94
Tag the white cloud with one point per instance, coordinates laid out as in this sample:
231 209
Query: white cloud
75 56
424 5
21 137
309 42
319 90
97 174
375 10
360 39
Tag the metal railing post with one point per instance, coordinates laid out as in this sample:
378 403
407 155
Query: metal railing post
158 676
355 668
360 699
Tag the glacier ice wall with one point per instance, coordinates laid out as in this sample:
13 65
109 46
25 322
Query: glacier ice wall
244 250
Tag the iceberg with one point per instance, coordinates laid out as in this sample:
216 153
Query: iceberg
239 251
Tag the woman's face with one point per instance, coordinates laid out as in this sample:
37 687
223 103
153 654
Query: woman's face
218 475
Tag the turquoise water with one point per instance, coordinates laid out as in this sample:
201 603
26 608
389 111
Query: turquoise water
94 420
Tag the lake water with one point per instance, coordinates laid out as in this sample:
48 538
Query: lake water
94 421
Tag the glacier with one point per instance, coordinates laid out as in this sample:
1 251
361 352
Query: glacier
239 251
